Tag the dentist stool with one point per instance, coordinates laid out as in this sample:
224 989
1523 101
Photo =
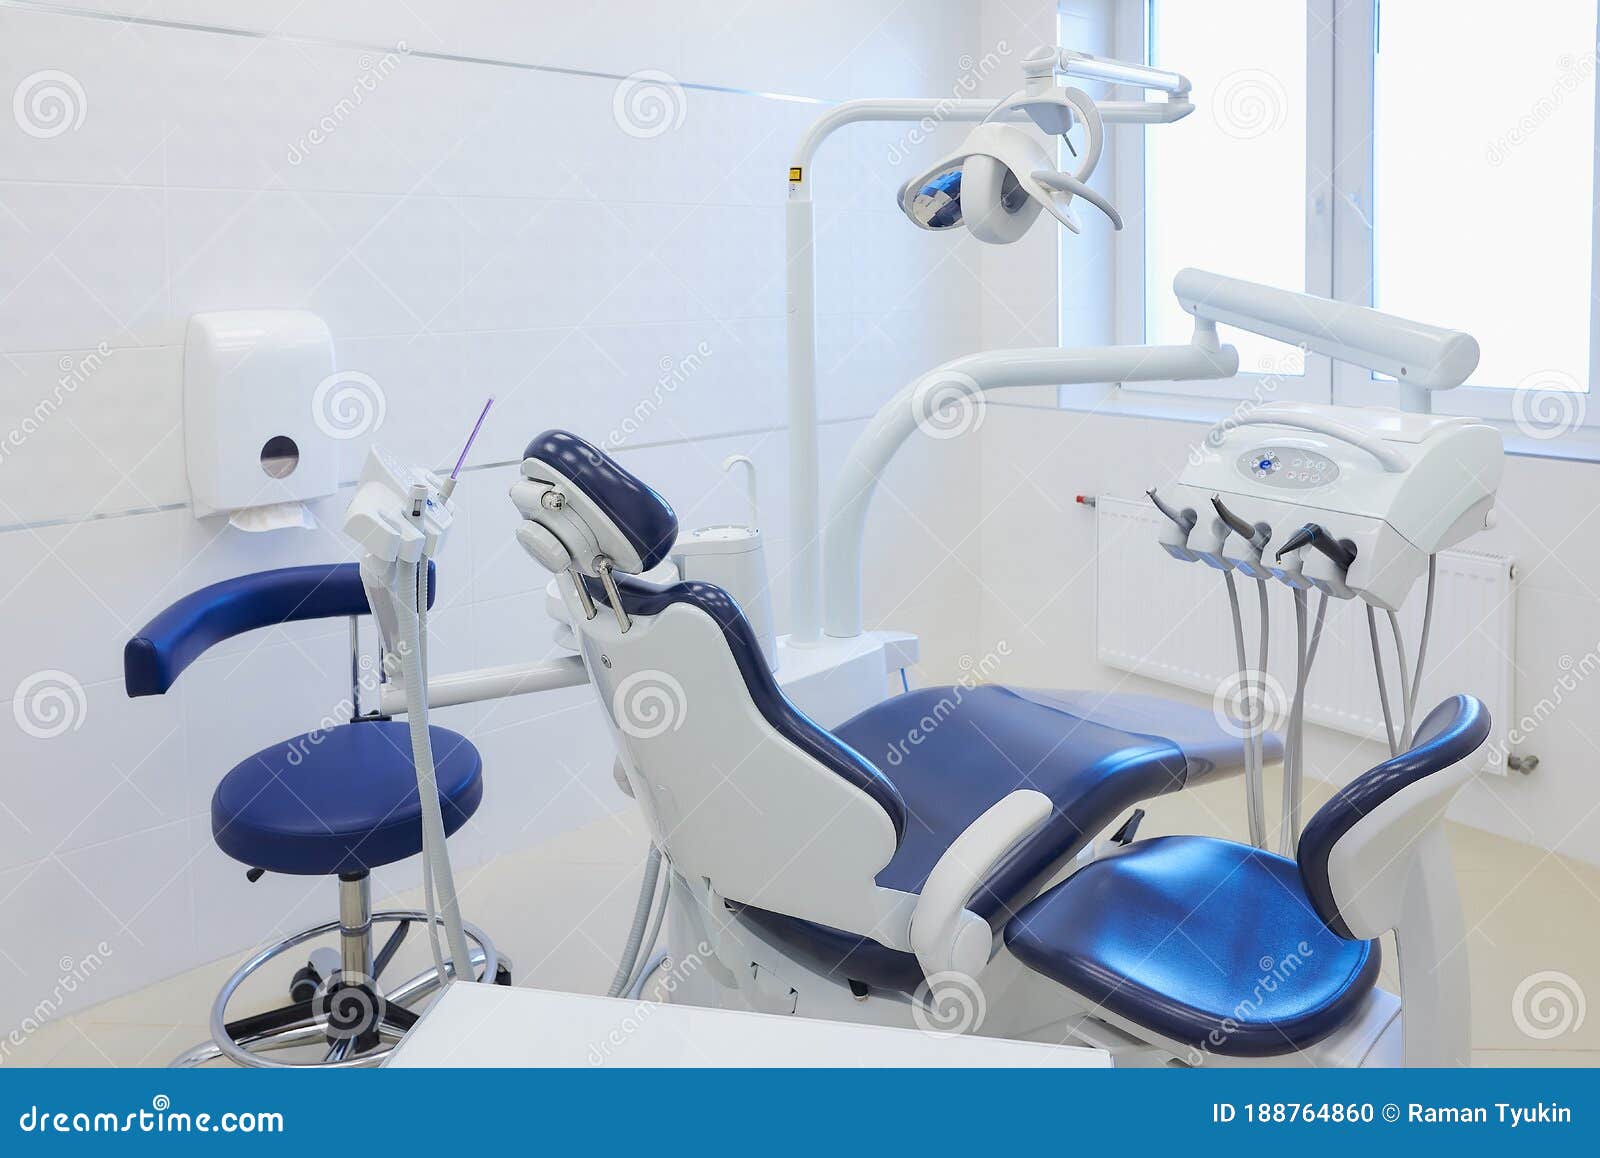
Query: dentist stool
336 802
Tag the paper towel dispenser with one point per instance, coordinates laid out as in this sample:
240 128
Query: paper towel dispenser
253 381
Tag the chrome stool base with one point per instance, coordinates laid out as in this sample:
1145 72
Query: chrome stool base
357 1020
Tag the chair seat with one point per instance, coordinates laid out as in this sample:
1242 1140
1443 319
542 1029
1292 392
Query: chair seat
1208 943
340 801
952 752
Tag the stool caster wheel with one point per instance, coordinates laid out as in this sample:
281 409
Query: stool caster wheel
319 968
305 983
502 975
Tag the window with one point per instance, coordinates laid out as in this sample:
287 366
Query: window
1432 159
1483 209
1251 138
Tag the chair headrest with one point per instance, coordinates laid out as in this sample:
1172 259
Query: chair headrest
602 508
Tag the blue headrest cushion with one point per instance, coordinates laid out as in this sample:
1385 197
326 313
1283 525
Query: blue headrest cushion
1453 731
645 519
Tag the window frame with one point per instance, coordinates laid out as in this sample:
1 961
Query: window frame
1341 65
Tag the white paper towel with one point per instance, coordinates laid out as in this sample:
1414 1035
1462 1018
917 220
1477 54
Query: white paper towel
273 517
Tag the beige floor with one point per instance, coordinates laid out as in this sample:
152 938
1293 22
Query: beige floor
560 910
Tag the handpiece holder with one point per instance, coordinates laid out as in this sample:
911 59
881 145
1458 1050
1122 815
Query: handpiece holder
1256 534
383 517
1340 552
1184 519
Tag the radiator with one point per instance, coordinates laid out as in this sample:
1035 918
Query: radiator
1169 621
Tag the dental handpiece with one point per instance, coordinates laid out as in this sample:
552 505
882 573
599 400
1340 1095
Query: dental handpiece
1341 552
1185 520
1256 534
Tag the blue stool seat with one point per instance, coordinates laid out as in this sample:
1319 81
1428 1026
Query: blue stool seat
1209 943
340 801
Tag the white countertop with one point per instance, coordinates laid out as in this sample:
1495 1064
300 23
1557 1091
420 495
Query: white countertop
492 1025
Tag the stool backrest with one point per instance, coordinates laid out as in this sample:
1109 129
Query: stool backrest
179 635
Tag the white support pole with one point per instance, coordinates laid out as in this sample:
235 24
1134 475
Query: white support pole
961 382
804 504
805 627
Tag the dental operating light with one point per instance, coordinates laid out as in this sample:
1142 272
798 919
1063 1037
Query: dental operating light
1043 72
1002 176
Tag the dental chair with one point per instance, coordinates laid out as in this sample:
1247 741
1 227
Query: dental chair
808 880
338 801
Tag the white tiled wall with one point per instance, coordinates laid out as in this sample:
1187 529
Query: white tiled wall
481 223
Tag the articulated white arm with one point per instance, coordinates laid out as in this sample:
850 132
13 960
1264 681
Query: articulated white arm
1419 356
945 935
952 392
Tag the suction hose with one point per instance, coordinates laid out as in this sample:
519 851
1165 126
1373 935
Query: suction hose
641 919
1254 705
650 960
438 880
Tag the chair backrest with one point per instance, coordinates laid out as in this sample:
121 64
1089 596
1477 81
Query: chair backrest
740 788
179 635
1360 844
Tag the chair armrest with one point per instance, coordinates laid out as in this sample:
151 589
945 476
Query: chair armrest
945 935
175 638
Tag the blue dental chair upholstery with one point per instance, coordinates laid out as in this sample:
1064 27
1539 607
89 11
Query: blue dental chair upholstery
934 759
1222 947
338 801
973 746
341 801
335 801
